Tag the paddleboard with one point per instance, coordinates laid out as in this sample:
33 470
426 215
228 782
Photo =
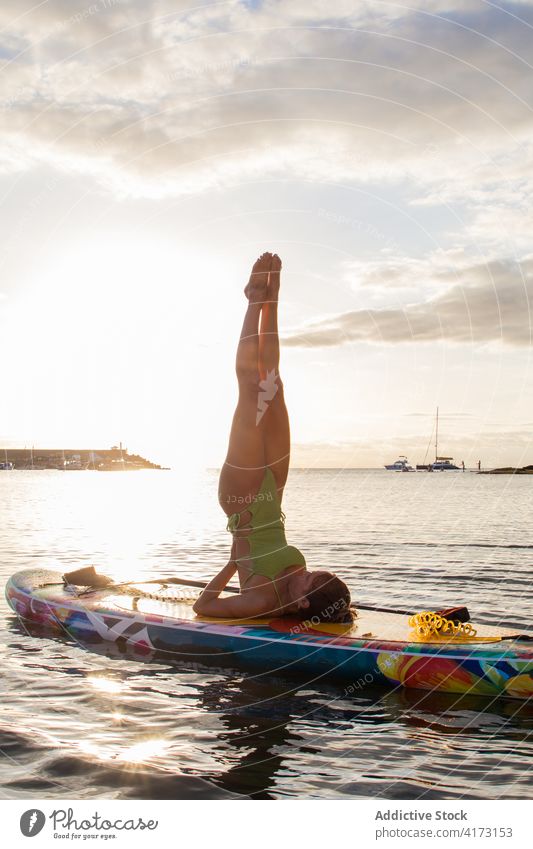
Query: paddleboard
379 648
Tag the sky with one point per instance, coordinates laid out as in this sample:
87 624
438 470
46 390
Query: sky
151 150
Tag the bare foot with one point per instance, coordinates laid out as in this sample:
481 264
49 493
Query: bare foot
256 289
274 279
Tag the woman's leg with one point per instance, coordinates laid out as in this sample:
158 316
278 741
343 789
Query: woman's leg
272 412
243 471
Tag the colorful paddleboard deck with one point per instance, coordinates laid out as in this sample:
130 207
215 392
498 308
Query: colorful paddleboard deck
378 649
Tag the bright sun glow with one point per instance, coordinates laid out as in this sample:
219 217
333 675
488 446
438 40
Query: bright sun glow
118 336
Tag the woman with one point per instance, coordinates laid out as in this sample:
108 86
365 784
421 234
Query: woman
273 576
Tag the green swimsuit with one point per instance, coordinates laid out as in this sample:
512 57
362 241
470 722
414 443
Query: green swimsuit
269 553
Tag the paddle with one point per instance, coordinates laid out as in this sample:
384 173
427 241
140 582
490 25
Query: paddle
101 581
458 613
187 582
88 577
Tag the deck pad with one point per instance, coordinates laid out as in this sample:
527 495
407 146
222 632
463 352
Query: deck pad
392 627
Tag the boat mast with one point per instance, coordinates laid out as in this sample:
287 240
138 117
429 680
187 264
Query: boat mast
437 437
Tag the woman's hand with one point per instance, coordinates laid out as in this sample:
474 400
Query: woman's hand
214 588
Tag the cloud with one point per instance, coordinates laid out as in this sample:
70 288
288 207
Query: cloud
505 447
493 302
448 415
166 98
397 271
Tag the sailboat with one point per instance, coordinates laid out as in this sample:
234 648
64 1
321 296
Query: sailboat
441 464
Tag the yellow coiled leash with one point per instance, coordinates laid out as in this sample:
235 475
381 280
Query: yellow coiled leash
429 624
431 627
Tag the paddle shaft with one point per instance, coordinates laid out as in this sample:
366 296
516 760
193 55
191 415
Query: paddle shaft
187 582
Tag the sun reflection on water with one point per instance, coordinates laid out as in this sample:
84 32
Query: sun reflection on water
106 685
144 751
141 752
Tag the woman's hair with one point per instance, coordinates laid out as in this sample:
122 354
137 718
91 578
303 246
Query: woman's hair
329 599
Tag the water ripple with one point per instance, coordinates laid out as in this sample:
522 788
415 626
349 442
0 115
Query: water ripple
83 723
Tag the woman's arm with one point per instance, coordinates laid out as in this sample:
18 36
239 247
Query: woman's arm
243 606
236 607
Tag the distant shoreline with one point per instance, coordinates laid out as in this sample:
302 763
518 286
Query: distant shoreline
118 459
506 470
70 459
510 470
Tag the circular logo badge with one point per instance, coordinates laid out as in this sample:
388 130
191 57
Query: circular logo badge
32 822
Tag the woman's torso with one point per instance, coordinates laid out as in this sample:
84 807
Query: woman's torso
259 542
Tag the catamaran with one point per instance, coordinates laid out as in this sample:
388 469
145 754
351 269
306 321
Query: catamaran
440 464
445 464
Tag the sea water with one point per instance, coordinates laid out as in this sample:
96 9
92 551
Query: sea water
82 723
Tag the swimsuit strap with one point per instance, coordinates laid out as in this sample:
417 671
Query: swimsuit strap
251 575
234 521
